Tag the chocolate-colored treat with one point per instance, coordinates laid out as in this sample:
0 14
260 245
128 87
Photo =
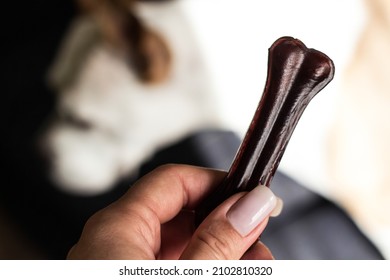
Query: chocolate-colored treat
295 75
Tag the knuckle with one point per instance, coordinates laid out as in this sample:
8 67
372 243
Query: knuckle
168 168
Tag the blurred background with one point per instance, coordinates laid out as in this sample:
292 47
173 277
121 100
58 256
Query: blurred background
218 61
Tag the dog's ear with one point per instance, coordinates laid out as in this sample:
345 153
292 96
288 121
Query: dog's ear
147 52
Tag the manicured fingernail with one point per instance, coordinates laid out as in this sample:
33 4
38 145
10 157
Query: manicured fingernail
278 208
252 209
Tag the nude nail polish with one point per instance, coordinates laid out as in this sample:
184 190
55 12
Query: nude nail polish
252 209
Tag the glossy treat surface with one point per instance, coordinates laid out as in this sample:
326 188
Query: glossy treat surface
295 75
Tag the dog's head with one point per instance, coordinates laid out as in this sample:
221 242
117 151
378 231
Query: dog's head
108 52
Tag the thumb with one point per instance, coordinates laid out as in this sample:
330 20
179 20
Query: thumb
231 229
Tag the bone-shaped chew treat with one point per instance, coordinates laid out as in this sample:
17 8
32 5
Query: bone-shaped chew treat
295 75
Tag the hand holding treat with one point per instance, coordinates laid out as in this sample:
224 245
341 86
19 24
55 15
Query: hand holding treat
295 75
155 218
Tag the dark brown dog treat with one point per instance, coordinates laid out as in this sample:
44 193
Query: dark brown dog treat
295 75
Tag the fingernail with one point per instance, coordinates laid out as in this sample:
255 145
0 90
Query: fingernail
278 208
252 209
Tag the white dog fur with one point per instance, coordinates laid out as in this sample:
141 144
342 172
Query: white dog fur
129 119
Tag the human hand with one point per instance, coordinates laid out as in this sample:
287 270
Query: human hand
155 220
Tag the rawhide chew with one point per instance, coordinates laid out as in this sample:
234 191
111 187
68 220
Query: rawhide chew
295 75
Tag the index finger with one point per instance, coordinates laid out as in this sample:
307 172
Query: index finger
171 188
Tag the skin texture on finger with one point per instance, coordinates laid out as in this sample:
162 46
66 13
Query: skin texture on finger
258 251
216 238
171 188
175 235
131 227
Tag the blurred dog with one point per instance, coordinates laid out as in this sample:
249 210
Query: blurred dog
130 79
359 155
